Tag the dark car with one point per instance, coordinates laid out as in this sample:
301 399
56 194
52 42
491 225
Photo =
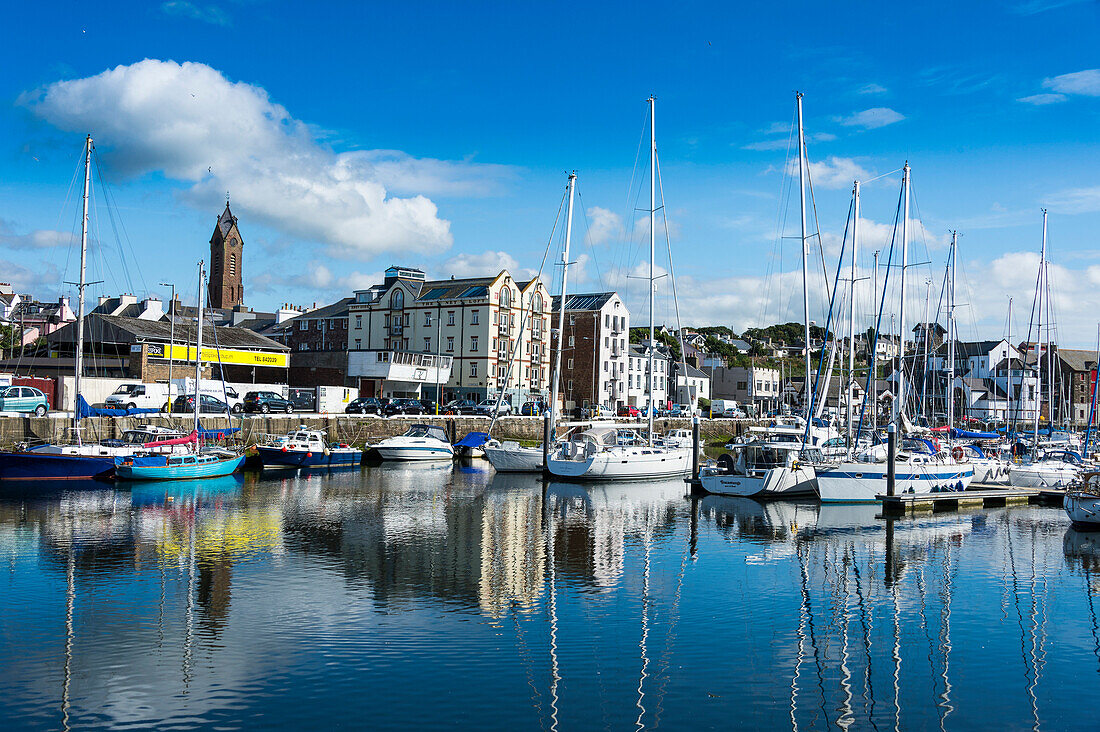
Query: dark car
304 400
430 407
532 409
365 405
462 406
267 401
403 406
207 404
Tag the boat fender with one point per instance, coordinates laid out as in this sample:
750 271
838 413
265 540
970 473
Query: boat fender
957 453
309 454
284 448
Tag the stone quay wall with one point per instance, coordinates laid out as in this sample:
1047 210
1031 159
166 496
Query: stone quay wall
352 429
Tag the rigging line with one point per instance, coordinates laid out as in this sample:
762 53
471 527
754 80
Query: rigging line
817 223
588 243
871 180
628 232
112 203
785 180
672 274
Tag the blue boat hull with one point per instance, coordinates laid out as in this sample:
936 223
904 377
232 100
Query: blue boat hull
34 465
216 469
274 457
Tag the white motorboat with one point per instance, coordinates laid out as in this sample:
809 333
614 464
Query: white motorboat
1083 509
512 457
778 469
420 442
1055 469
918 468
598 454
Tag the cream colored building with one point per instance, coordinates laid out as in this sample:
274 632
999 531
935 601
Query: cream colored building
450 338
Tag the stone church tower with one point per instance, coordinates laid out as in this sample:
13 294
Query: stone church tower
226 263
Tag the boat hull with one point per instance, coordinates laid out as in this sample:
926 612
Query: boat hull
864 482
774 483
623 464
275 457
216 469
515 459
34 465
1038 476
415 453
990 471
1083 510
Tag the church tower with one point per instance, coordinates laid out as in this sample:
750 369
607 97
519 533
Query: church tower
226 262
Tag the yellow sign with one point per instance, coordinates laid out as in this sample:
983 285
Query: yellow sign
223 355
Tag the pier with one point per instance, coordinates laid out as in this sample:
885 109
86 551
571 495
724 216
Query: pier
962 500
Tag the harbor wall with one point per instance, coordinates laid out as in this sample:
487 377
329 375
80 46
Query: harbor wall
354 430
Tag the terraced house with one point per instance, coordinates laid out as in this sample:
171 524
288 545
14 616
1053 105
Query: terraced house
450 339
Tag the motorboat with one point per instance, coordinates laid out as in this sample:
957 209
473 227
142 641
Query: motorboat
919 467
306 448
511 457
1054 469
764 468
472 446
206 463
1082 503
602 453
678 438
420 442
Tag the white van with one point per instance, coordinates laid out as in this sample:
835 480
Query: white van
725 408
140 396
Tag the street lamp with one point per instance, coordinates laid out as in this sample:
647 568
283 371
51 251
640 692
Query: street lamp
171 341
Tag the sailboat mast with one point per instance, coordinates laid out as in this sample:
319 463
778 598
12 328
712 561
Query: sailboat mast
951 335
1008 383
652 251
81 282
198 352
1039 331
900 401
852 318
555 377
805 281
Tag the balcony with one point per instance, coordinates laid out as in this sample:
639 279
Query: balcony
400 366
397 329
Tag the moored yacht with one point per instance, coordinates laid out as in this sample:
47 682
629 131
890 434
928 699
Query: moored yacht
764 468
599 454
1054 469
918 468
420 442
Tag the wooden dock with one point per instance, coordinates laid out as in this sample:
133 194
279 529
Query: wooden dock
962 500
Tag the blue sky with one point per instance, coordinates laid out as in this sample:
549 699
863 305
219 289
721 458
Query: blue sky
438 135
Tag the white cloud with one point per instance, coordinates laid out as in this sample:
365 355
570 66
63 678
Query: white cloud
1075 200
872 89
1042 99
485 264
603 225
873 118
23 279
1085 82
207 14
784 142
175 119
1033 7
39 239
833 172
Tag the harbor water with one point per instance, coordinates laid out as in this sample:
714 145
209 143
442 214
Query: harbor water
428 596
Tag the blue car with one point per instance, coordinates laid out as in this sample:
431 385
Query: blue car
24 399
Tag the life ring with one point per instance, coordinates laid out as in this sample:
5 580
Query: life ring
957 453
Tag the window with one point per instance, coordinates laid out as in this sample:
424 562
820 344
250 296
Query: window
344 323
450 317
473 368
473 317
427 345
570 364
572 319
606 341
303 325
606 320
428 319
605 367
569 386
358 321
358 343
406 318
571 341
232 265
536 303
303 346
450 344
397 300
505 297
742 385
473 343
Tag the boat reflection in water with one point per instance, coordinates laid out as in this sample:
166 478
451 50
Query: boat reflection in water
417 591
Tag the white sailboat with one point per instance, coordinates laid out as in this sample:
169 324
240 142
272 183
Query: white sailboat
598 454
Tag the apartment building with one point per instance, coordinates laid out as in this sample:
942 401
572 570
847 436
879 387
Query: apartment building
992 382
450 339
594 355
755 385
638 375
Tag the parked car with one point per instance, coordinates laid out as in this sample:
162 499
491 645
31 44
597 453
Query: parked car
265 401
628 410
207 405
365 405
462 406
489 406
23 399
403 406
430 407
680 410
304 400
532 409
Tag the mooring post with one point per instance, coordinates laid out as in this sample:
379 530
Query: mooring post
545 441
695 448
891 453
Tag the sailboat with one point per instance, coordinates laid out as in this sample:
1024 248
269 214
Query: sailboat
599 453
79 461
199 463
920 467
510 456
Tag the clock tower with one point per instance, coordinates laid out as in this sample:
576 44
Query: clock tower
226 262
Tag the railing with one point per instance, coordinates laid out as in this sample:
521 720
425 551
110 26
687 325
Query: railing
407 358
397 328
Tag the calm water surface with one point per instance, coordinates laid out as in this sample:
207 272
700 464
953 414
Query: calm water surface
405 596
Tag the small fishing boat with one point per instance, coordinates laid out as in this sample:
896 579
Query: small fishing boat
420 442
306 448
207 463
